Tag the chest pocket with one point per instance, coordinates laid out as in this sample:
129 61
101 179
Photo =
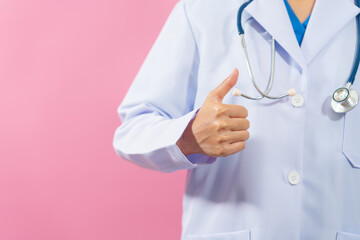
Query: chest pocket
351 143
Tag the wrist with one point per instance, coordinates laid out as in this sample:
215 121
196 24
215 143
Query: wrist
186 141
184 148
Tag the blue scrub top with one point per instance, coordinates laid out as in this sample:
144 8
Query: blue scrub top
299 28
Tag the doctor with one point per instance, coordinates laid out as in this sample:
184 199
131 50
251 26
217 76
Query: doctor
298 175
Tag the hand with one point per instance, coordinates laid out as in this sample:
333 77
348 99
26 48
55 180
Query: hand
218 130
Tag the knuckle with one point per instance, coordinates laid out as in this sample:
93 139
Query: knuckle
220 151
222 124
219 125
220 139
220 110
216 125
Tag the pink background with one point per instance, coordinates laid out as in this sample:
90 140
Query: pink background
65 66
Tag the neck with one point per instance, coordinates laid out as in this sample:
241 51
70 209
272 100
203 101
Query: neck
302 8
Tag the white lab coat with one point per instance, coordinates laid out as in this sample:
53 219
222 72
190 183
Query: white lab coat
248 195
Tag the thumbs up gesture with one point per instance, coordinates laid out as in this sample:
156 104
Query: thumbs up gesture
218 130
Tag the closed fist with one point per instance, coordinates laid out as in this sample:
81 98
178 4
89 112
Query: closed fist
218 130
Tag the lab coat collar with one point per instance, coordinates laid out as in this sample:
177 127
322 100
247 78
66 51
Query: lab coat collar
274 18
327 18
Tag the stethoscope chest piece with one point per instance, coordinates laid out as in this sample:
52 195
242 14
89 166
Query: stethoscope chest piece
344 100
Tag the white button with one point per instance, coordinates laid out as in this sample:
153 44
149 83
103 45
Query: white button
294 177
297 100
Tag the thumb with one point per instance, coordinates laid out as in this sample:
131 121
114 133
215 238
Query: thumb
224 87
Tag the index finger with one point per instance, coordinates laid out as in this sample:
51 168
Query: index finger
236 111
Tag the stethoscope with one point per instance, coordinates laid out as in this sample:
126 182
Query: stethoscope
343 99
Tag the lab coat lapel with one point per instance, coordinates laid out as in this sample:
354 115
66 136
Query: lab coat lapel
327 19
273 17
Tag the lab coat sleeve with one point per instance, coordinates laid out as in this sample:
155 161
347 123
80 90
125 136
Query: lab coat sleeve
160 102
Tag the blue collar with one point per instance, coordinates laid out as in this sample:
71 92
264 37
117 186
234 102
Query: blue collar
299 28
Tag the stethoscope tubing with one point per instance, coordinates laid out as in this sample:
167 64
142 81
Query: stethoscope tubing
291 92
241 9
271 81
357 58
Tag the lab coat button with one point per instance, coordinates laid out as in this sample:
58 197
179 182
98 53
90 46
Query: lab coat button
297 100
294 177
